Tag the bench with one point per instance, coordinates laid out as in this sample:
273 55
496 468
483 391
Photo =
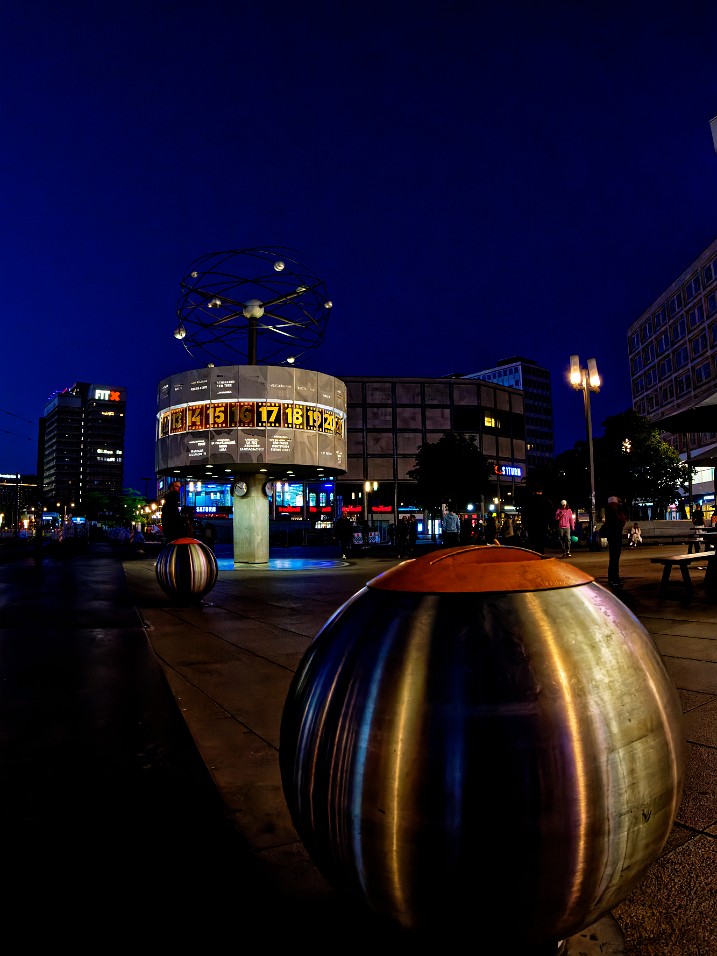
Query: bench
683 562
703 538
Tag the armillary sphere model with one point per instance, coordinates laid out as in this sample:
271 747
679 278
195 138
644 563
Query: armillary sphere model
259 306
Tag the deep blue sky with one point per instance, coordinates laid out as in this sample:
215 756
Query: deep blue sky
471 181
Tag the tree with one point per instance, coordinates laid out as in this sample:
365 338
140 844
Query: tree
96 505
129 505
571 477
636 464
631 461
454 470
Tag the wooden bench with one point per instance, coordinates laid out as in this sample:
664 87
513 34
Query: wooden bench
683 562
704 539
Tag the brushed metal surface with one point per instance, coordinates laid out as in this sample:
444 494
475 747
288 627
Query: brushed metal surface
512 757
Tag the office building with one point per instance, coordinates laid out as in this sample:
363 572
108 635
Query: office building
388 419
534 381
81 444
672 349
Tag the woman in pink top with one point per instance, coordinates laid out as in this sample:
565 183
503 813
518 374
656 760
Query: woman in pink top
566 525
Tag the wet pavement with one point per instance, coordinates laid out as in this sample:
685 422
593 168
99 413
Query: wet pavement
139 756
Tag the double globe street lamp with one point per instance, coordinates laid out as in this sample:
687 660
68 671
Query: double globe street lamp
587 380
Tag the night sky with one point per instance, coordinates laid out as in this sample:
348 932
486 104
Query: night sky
471 181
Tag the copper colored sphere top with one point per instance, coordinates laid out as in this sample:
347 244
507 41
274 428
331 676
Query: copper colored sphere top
480 568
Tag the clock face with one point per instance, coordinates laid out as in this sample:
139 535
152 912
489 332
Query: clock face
239 489
269 489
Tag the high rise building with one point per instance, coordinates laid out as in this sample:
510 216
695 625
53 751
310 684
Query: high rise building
534 382
672 346
672 349
81 443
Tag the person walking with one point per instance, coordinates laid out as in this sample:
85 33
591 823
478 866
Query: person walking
344 530
172 522
612 529
566 525
451 531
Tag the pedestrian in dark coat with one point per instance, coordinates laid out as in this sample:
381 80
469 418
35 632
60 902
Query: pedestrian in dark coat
344 530
612 529
172 523
537 518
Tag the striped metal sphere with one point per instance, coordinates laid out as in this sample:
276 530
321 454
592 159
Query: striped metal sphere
486 741
186 569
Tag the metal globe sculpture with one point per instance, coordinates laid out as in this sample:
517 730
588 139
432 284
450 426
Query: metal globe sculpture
481 741
251 306
186 569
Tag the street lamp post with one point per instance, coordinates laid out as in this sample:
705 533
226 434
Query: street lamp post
368 487
587 380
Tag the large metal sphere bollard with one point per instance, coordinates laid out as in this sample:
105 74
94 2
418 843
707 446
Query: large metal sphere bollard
483 741
186 570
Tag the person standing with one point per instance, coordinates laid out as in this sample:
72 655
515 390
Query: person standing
451 532
507 532
491 528
698 521
412 534
186 517
209 534
538 514
402 534
172 523
566 525
612 529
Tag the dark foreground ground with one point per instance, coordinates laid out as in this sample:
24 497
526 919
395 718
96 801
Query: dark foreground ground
140 799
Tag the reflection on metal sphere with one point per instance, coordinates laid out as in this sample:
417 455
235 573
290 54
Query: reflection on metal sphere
482 738
180 332
186 569
278 265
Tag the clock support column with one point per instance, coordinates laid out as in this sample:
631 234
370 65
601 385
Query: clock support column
250 521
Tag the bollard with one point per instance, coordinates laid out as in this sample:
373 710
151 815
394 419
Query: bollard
186 570
482 741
